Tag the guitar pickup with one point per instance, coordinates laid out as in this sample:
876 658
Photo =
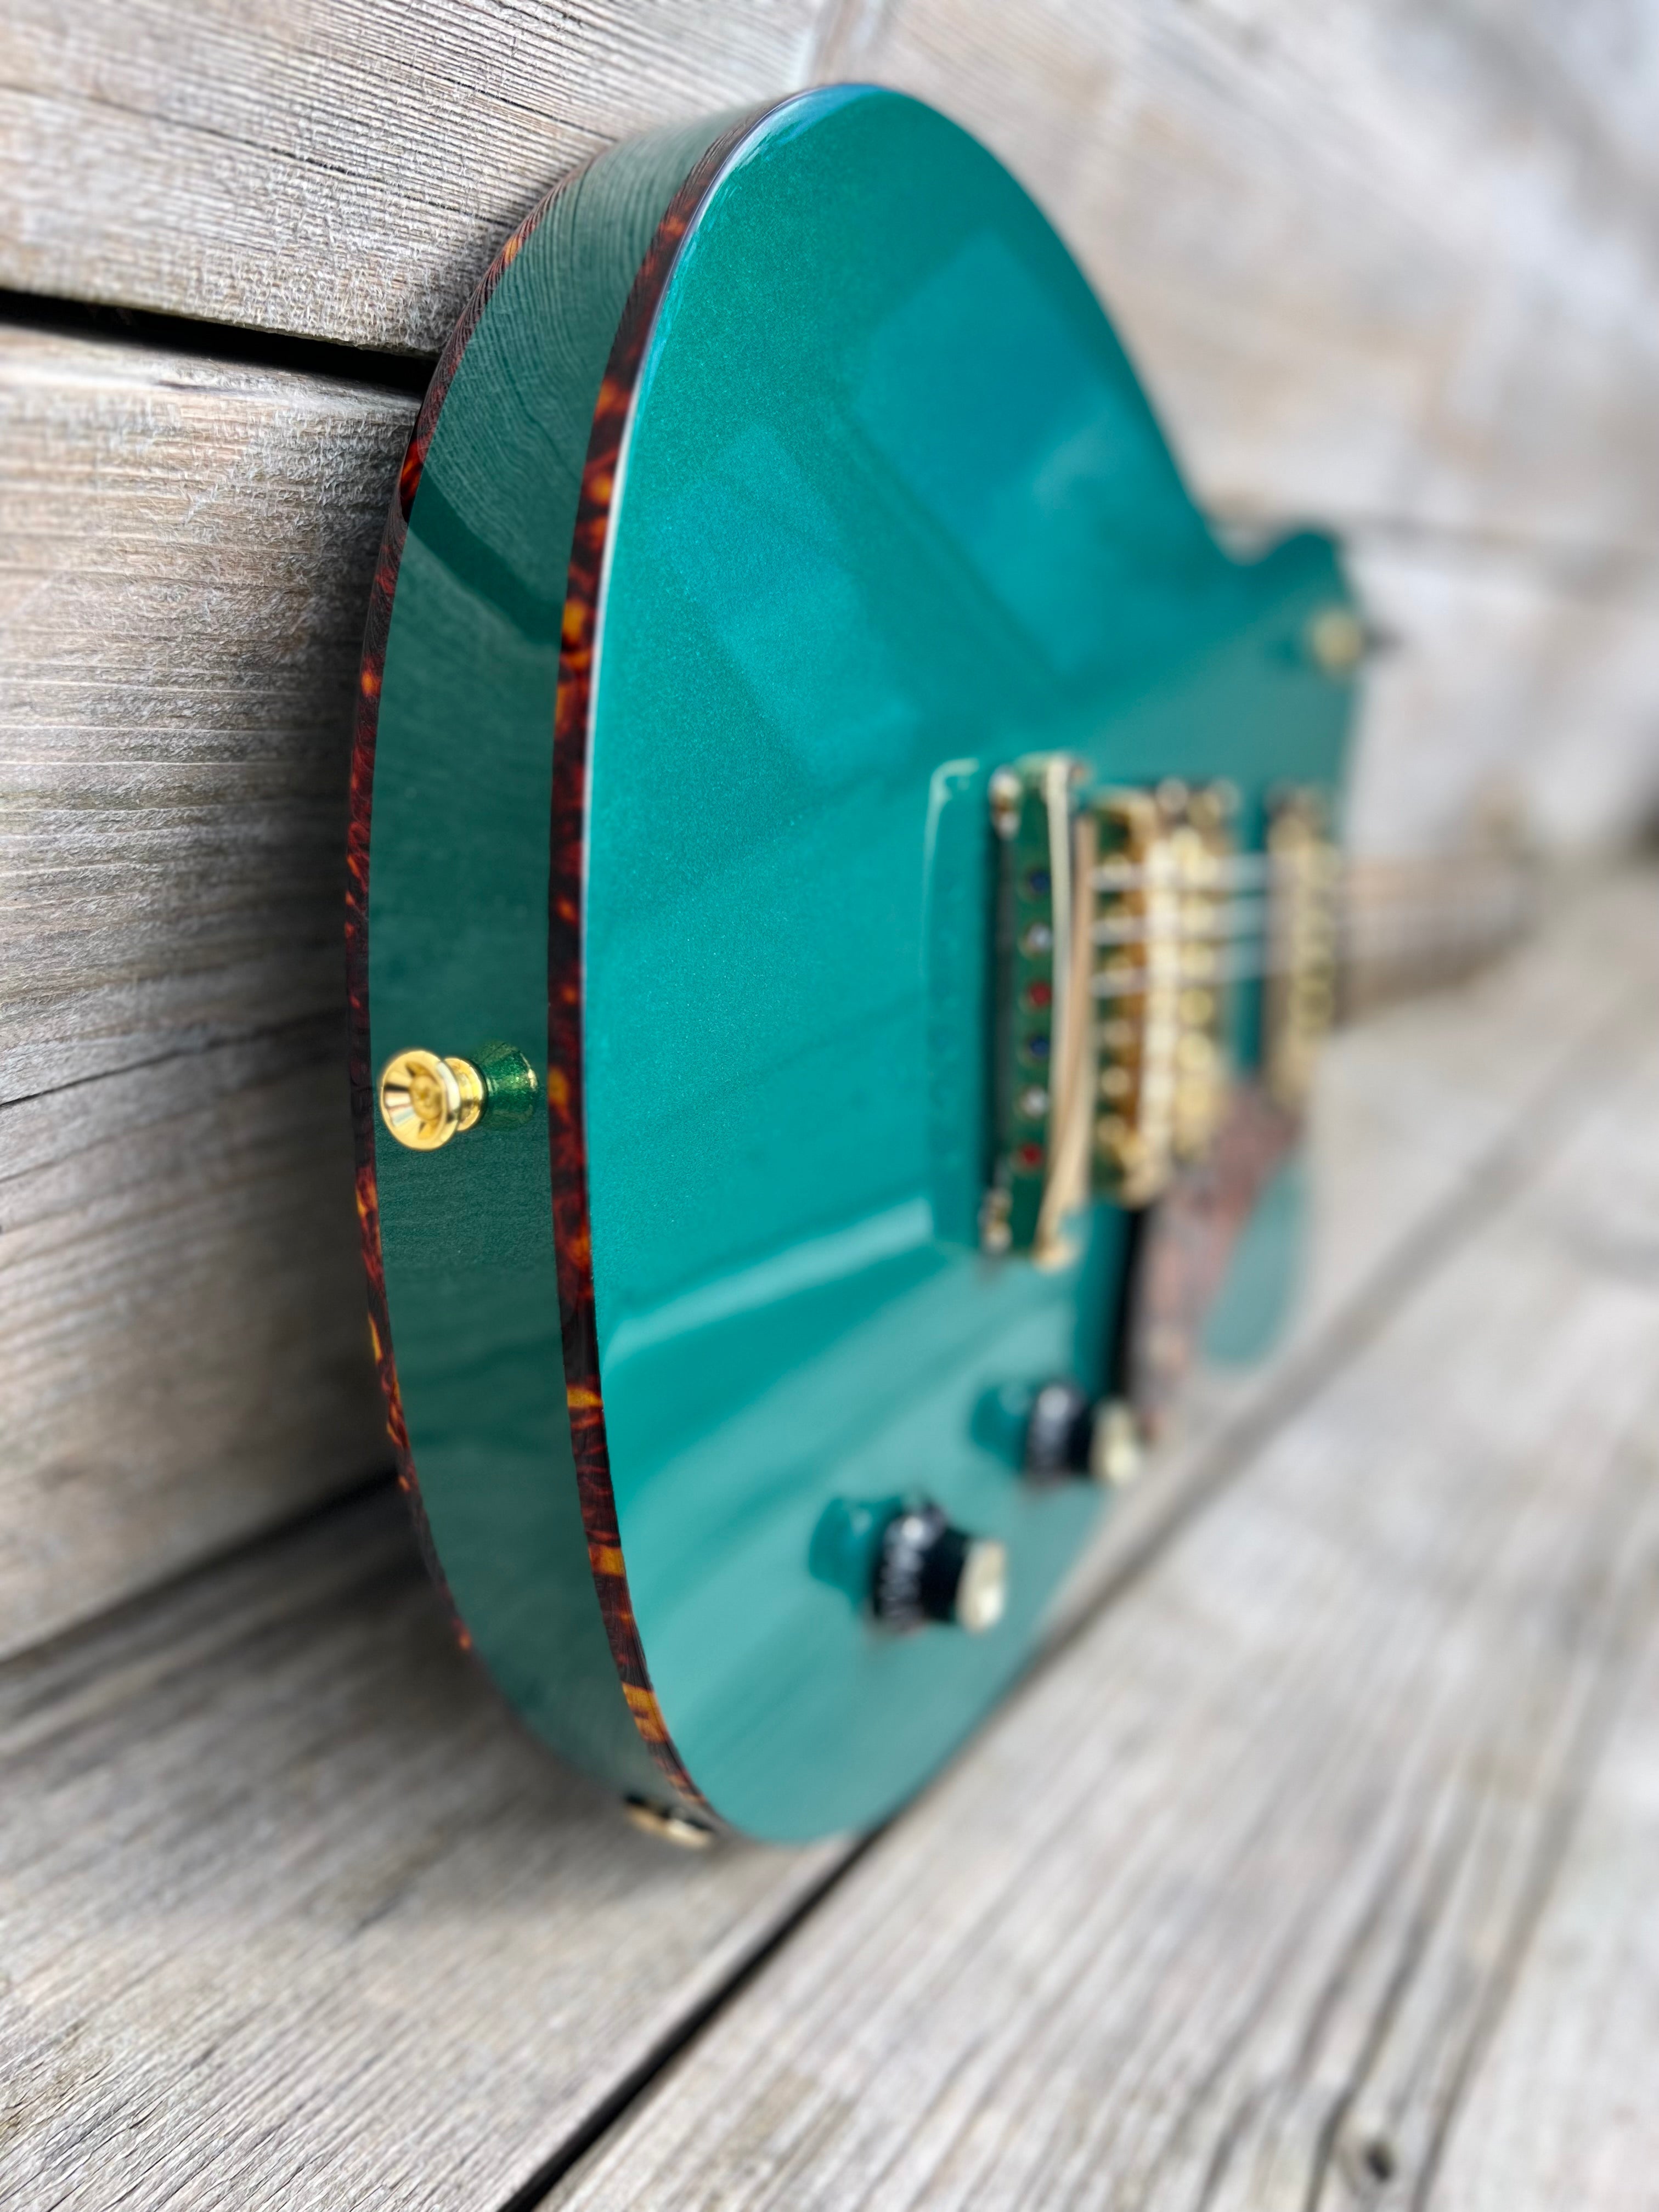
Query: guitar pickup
1114 912
1298 998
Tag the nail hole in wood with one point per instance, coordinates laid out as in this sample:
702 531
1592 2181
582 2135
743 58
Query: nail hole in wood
1379 2159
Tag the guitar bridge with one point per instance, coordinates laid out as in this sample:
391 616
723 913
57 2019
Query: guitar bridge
1111 975
1158 926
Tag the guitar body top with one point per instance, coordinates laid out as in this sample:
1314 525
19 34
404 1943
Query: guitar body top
784 485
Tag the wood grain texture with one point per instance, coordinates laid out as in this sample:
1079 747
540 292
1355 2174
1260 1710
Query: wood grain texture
1563 2110
1227 1908
1519 686
300 1917
186 1355
1391 269
187 549
1379 261
295 1916
343 172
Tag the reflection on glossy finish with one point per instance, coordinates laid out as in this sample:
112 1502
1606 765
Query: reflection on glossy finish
891 512
425 1101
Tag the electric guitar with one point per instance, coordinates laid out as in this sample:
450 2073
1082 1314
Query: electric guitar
842 875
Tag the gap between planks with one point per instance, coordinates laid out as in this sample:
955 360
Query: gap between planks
1355 257
298 1916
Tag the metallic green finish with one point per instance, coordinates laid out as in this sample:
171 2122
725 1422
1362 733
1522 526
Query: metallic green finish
892 511
457 950
513 1089
846 1543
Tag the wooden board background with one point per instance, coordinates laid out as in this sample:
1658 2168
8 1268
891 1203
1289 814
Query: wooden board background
186 547
1387 269
1380 262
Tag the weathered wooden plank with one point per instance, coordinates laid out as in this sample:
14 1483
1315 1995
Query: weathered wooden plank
1459 1078
1226 1905
1523 686
1377 264
188 547
342 172
297 1916
1563 2110
186 1349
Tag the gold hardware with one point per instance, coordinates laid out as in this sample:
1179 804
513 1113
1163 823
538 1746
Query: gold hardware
1007 796
1113 980
995 1236
1201 841
1336 641
1114 1446
1071 1064
668 1824
1299 1001
1151 918
982 1593
425 1101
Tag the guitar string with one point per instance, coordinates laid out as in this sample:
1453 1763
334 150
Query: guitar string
1110 982
1203 917
1238 944
1359 923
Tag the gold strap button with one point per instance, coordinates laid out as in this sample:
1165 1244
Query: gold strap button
425 1101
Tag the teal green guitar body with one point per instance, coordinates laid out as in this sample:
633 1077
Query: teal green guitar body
785 481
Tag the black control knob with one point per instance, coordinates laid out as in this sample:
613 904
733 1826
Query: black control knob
926 1569
1057 1431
